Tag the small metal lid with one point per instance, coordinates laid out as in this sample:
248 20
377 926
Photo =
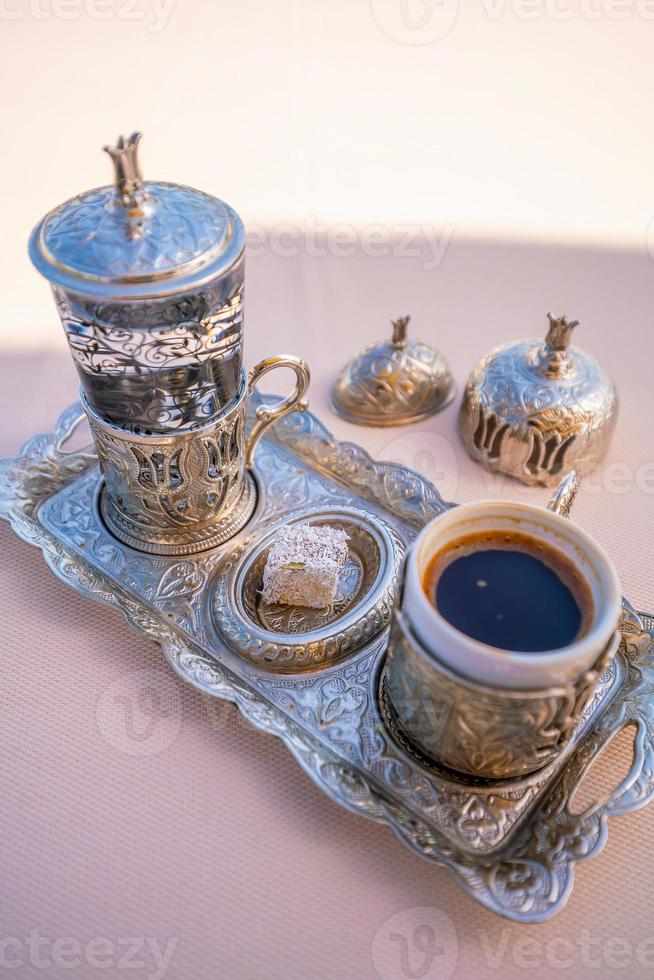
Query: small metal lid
393 382
137 238
535 409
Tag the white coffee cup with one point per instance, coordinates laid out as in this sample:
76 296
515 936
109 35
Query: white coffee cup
504 668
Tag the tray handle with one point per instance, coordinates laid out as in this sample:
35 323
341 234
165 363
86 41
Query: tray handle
637 787
631 708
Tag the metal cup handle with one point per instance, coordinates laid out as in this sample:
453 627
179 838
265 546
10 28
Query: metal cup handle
561 503
267 414
564 495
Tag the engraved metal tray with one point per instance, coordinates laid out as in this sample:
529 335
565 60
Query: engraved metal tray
314 680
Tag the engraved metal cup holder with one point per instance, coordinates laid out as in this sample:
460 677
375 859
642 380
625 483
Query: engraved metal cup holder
475 729
187 491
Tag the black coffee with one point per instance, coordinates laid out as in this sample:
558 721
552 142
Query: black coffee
510 591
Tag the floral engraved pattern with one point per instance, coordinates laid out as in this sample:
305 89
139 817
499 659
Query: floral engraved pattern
116 349
181 579
176 590
394 380
90 233
146 367
336 711
168 495
477 730
479 816
401 491
289 490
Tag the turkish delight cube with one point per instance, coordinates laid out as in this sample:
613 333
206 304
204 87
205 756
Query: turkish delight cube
304 564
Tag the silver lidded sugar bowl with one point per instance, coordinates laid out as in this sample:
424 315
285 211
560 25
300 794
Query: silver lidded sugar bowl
148 278
536 409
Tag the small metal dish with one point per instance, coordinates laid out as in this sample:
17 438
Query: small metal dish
291 639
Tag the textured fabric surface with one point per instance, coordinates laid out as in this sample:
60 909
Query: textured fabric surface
148 831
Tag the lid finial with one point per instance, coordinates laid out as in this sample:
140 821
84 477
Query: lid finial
560 331
400 327
553 359
128 176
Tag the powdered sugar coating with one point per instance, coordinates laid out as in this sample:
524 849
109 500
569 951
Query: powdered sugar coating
304 564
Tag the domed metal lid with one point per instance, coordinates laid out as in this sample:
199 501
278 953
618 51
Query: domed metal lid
136 239
393 382
534 409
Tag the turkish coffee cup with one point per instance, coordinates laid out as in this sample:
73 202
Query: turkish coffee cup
507 618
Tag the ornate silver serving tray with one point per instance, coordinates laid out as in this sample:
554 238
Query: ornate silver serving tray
313 679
